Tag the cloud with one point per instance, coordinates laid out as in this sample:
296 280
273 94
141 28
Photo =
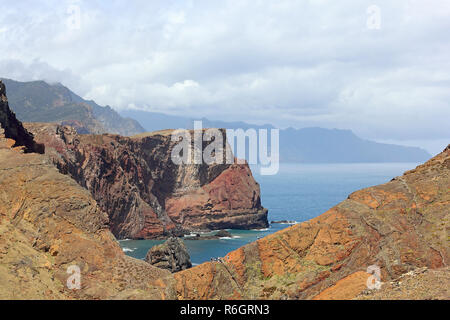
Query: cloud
292 63
39 70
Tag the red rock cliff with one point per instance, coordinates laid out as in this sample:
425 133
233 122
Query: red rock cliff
144 193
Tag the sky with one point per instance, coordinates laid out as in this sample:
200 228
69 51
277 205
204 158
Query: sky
380 68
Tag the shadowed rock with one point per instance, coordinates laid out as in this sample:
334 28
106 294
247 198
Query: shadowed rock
172 255
223 234
13 129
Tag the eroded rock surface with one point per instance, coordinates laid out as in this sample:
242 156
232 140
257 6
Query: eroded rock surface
172 255
399 226
48 223
145 194
11 128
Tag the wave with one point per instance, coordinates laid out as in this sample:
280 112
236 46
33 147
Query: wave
128 249
260 230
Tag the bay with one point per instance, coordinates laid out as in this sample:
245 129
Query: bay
299 192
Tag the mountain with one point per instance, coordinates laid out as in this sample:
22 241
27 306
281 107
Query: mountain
53 232
38 101
306 145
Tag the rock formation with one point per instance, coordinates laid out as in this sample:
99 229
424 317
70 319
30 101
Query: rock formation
398 226
172 255
51 228
144 193
223 234
13 129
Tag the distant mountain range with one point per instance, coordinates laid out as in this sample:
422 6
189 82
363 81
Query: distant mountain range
306 145
38 101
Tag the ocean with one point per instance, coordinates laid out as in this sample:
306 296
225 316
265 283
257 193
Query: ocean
299 192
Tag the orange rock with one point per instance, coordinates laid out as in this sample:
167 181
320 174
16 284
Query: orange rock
398 226
347 288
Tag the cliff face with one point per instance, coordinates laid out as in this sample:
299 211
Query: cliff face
12 128
399 226
144 193
50 226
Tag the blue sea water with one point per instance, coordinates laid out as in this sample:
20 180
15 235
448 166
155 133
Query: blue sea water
299 192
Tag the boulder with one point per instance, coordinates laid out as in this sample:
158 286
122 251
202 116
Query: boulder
172 255
223 234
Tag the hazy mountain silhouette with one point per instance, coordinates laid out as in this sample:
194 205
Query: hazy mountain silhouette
306 145
38 101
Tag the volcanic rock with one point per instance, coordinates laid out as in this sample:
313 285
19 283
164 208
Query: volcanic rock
144 193
223 234
52 229
13 129
398 226
172 255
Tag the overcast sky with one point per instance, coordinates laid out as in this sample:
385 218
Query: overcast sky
382 71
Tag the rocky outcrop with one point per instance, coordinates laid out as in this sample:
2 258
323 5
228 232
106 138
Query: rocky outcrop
398 226
144 193
51 228
172 255
12 128
223 234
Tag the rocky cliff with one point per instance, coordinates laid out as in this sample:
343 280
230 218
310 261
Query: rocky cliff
144 193
12 128
398 226
51 228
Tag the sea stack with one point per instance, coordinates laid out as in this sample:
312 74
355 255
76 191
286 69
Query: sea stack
172 255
